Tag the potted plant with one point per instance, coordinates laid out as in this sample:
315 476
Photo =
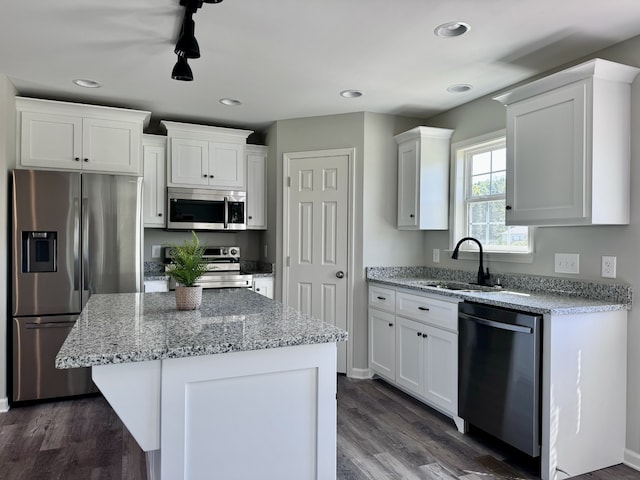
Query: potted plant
186 268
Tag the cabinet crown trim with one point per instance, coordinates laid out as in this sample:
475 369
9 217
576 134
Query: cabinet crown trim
38 105
596 68
205 132
423 132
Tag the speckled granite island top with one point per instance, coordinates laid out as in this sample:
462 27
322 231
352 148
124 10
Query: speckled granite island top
136 327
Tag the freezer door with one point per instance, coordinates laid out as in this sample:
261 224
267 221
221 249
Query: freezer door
45 242
36 342
112 233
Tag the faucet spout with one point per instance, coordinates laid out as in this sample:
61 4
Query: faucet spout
482 276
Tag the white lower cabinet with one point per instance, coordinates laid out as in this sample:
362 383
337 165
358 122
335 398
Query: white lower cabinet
263 286
415 346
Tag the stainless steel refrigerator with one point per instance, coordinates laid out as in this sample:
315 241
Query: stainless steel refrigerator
73 234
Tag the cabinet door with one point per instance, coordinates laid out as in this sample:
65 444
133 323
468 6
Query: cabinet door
382 343
111 146
263 286
51 141
189 162
441 368
547 157
154 187
409 355
226 166
256 190
408 177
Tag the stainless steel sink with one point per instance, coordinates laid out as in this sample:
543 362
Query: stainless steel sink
457 286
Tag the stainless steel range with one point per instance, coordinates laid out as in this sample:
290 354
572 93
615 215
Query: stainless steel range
223 268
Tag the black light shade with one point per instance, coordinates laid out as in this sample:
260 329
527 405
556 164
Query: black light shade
182 70
187 45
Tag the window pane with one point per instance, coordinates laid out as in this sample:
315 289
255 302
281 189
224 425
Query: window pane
480 185
481 163
498 182
499 159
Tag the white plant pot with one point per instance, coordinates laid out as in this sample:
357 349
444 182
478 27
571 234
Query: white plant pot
188 298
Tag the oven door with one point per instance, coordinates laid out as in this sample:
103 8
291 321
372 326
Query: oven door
200 209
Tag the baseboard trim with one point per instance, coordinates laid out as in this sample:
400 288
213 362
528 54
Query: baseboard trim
632 459
360 373
4 405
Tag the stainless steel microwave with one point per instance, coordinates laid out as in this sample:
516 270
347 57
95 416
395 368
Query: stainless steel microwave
201 209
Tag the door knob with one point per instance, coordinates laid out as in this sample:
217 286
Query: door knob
340 274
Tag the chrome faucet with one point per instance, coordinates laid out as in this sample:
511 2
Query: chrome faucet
483 278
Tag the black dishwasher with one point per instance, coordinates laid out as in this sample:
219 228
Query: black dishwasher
499 369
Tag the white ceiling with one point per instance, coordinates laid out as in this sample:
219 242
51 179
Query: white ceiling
291 58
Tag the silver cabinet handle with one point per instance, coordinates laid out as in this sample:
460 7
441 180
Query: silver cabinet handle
340 274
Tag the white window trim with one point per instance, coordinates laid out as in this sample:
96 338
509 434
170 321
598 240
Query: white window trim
457 220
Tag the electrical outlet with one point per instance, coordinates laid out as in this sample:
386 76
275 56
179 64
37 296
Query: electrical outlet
608 266
155 251
567 263
436 255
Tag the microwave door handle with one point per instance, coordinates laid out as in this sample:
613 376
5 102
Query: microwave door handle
226 212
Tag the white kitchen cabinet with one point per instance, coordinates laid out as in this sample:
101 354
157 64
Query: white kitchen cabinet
413 342
69 136
568 147
154 153
382 347
423 178
263 286
256 187
206 157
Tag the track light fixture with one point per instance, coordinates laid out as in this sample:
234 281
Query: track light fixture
187 45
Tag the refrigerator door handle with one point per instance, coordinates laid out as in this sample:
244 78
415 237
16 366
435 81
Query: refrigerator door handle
31 326
76 244
85 243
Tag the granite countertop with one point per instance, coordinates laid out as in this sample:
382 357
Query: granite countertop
544 295
136 327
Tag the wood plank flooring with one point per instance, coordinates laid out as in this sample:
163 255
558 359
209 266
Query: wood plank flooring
382 434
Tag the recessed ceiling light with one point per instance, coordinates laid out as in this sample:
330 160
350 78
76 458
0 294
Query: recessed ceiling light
459 88
231 102
83 82
451 29
351 93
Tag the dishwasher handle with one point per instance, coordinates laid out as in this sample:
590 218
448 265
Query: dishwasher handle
494 324
31 326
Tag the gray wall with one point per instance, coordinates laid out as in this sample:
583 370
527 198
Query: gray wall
486 115
7 163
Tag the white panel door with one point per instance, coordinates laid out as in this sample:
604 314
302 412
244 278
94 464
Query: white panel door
111 146
51 141
410 355
189 162
318 240
226 166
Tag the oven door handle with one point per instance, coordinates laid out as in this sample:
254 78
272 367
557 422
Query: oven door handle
494 324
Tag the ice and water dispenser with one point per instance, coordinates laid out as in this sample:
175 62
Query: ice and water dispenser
39 252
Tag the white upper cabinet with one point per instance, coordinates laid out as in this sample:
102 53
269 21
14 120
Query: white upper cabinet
423 178
154 153
256 187
69 136
206 157
568 147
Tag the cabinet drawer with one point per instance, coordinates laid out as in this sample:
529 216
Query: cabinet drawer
434 312
382 298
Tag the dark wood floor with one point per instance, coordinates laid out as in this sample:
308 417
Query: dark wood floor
382 434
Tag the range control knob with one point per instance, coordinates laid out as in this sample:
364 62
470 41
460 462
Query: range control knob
233 252
225 251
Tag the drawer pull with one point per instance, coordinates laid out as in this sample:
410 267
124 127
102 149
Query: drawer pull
425 336
419 334
381 298
424 309
391 324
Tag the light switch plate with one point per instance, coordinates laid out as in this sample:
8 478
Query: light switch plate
567 263
155 251
436 255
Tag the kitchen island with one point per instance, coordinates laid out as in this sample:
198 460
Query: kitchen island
244 387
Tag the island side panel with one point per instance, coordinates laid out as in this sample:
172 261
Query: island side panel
133 391
257 414
583 393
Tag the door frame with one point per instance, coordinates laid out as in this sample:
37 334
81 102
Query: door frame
350 153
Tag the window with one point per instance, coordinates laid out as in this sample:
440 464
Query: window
480 197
